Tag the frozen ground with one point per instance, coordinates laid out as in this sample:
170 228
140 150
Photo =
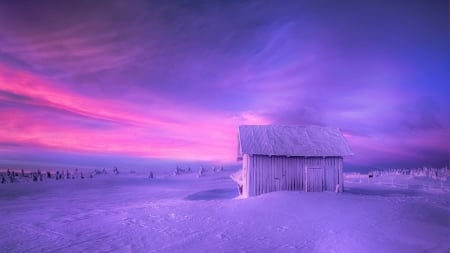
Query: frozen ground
131 213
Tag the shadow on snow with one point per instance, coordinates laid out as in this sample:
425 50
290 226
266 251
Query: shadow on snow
227 193
383 192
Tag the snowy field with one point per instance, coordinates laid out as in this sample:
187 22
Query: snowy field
129 212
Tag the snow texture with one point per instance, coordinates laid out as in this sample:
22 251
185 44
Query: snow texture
292 141
129 212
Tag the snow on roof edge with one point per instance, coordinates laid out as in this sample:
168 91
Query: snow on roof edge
292 140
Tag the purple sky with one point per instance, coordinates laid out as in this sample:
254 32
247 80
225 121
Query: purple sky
140 82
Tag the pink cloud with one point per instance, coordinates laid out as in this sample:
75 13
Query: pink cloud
172 130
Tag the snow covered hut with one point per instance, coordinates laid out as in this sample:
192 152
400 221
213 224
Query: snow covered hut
290 158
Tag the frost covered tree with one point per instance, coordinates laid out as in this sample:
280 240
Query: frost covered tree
201 172
177 171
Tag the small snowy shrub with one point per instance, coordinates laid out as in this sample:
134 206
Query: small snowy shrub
201 172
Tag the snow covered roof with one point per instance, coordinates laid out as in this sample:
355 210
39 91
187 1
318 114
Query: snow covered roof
291 141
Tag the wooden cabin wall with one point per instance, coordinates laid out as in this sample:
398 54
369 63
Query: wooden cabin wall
341 174
264 174
245 176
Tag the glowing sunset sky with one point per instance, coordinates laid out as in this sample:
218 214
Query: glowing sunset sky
90 82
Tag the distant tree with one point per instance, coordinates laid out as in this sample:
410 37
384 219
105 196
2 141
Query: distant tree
201 172
177 171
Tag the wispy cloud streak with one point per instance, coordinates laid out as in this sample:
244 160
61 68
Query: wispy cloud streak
180 134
